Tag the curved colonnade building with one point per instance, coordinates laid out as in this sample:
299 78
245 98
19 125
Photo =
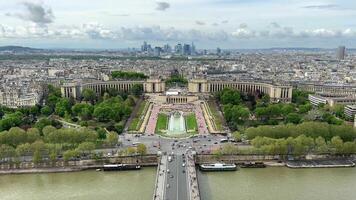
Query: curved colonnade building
277 93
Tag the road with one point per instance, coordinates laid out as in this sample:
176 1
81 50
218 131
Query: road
177 183
154 143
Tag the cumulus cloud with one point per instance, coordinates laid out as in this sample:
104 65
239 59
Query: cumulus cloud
162 6
35 12
275 25
200 23
324 6
96 31
243 26
243 33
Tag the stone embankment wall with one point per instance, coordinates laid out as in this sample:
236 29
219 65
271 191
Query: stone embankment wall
62 166
208 158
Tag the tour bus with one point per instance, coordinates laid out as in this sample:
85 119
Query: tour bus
224 140
136 143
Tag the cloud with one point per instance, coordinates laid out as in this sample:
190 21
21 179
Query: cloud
225 21
275 25
243 26
322 7
35 12
215 24
200 23
162 6
243 33
96 31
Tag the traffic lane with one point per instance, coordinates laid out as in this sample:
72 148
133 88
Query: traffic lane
171 192
182 180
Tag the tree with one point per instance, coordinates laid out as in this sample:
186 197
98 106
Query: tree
70 154
229 149
237 136
141 149
230 96
112 139
47 130
337 144
305 108
131 151
293 118
137 89
89 95
83 110
23 149
46 110
7 152
63 106
320 145
37 157
86 147
33 134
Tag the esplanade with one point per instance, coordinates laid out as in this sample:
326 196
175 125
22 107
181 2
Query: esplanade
277 92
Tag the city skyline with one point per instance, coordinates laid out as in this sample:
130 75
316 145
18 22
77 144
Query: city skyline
209 24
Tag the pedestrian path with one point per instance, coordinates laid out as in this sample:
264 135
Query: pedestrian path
151 125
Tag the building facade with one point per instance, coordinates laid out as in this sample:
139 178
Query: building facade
277 93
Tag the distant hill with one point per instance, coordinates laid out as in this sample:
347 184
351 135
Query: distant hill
18 49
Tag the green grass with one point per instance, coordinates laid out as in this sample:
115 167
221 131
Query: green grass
216 115
137 120
162 122
191 122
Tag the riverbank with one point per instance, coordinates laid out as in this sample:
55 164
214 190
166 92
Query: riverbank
73 166
320 164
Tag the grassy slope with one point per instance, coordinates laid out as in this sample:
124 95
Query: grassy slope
162 122
191 122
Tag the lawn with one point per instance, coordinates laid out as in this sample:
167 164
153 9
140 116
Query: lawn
216 115
137 120
191 122
162 122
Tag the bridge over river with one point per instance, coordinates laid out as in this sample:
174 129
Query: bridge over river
177 178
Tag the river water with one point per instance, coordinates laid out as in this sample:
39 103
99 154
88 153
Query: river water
85 185
277 183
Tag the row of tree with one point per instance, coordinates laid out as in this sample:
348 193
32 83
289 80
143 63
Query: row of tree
310 129
301 145
128 75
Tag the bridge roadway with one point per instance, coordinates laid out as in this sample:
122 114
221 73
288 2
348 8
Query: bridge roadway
177 178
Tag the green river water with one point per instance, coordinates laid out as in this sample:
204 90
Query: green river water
277 183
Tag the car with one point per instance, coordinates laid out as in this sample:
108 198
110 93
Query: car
175 140
209 140
215 142
168 171
169 158
171 176
183 171
183 165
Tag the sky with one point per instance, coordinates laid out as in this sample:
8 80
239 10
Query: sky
228 24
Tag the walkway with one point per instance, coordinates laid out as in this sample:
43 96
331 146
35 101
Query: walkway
151 125
202 129
160 179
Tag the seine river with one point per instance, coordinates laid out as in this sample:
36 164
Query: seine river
86 185
246 184
279 183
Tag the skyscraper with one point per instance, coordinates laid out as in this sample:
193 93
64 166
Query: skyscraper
341 51
187 49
